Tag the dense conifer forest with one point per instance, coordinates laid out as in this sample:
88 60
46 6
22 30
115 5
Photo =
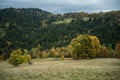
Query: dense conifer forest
27 28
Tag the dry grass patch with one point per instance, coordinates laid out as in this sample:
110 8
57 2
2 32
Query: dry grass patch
68 69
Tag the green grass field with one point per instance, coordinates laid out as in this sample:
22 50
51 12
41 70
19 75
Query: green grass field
68 20
68 69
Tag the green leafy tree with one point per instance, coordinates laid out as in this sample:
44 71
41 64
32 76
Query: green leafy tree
84 46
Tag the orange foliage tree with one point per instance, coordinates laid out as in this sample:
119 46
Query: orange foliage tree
117 50
53 52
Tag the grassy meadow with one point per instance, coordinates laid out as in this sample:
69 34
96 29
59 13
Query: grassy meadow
68 69
67 20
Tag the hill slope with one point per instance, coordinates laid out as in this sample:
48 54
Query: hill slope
26 28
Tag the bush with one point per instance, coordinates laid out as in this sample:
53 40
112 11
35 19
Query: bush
58 52
62 57
117 50
74 56
27 57
65 52
44 54
111 51
53 52
84 46
106 51
16 57
1 57
35 53
103 52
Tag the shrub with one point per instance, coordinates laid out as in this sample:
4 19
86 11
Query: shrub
35 53
117 50
62 51
62 57
58 49
65 52
111 51
85 46
53 52
103 52
44 54
74 56
27 57
1 57
106 51
16 57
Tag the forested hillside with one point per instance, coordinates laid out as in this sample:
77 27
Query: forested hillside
26 28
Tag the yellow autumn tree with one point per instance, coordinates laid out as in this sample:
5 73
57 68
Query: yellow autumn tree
84 46
16 57
53 52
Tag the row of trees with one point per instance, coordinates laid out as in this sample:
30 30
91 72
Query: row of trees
81 47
